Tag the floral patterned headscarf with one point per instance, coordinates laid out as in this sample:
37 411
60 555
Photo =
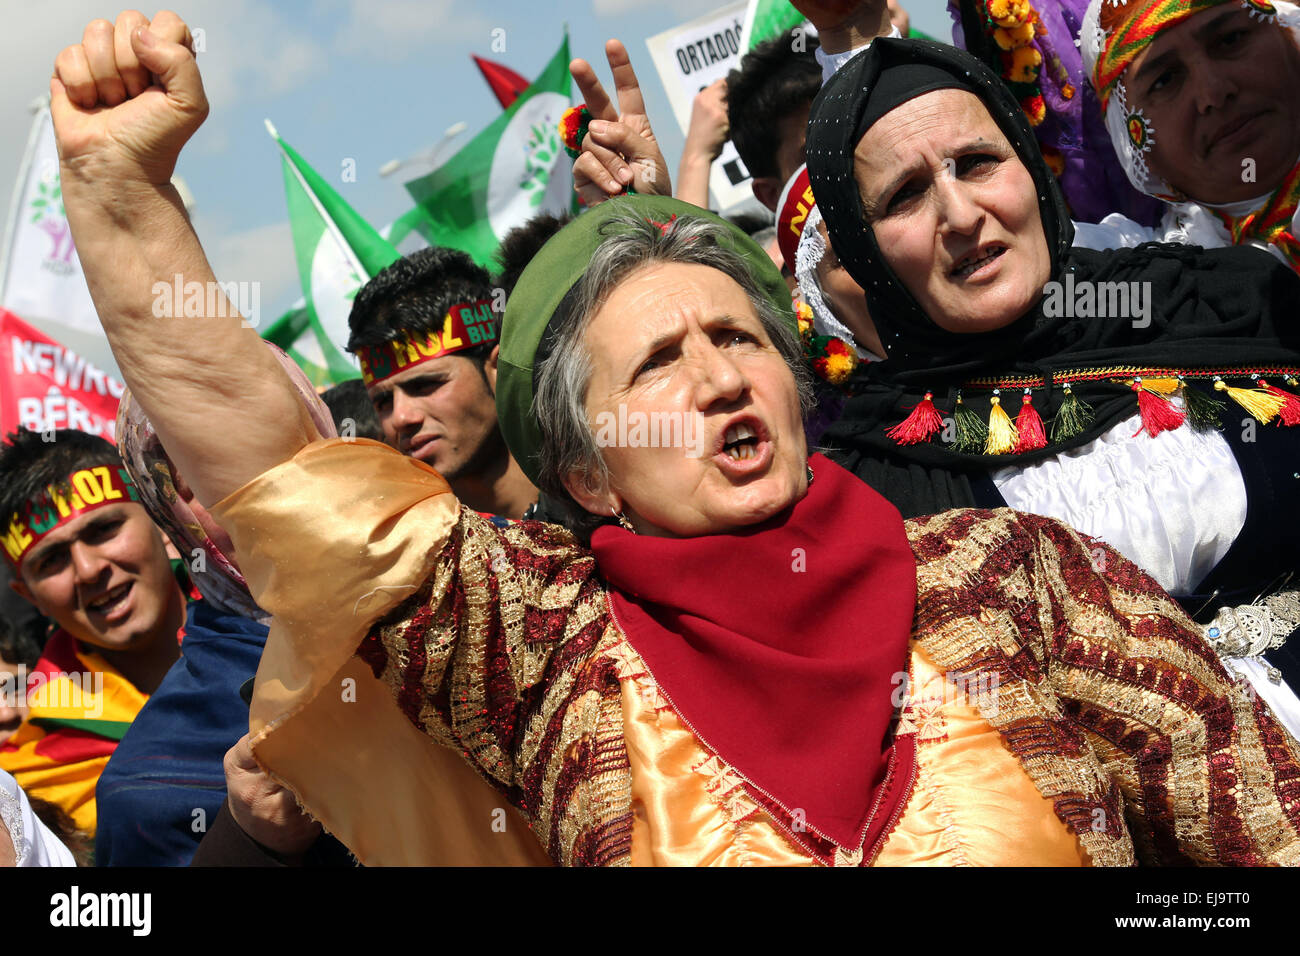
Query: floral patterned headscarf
217 577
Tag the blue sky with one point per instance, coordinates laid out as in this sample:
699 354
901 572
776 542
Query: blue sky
366 80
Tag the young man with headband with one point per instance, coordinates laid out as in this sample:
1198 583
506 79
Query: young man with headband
425 332
85 553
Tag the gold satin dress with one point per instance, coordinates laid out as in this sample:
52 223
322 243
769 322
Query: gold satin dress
971 805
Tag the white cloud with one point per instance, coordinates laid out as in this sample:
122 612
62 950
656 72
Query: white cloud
686 9
395 29
252 50
28 52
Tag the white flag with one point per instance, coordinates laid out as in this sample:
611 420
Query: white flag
42 279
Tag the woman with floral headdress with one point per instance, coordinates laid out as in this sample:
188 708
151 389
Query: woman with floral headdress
834 326
1200 98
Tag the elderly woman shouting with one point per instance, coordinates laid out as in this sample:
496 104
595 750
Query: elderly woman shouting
751 660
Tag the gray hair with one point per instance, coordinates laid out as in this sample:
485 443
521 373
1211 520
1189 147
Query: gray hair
563 374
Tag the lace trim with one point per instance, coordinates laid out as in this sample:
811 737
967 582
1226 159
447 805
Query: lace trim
11 811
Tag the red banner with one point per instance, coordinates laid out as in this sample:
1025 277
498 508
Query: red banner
44 385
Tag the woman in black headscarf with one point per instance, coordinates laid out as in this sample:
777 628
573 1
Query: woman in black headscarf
1126 392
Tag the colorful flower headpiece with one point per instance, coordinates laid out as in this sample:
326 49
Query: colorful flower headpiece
573 128
1014 26
831 358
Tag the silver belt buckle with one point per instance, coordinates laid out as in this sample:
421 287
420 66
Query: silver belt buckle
1250 630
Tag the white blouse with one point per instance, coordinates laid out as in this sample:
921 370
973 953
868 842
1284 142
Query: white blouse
34 844
1172 504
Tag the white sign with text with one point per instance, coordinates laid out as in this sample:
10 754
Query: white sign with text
689 58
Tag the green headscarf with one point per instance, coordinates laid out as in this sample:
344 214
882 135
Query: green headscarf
555 270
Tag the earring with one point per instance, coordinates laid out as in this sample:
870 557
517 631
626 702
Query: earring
622 519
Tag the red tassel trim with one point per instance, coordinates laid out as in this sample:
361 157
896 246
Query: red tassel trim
921 425
1290 412
1029 426
1158 414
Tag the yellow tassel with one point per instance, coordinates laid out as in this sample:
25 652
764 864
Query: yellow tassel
1009 13
1002 431
1002 10
1263 405
1161 386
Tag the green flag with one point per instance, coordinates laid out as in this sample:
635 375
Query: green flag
296 334
412 221
765 19
337 252
510 172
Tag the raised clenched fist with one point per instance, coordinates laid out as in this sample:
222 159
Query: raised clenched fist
127 98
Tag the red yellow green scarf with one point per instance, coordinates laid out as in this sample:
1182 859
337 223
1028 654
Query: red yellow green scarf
1272 222
80 707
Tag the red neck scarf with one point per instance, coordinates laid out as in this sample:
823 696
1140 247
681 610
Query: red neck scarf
782 646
